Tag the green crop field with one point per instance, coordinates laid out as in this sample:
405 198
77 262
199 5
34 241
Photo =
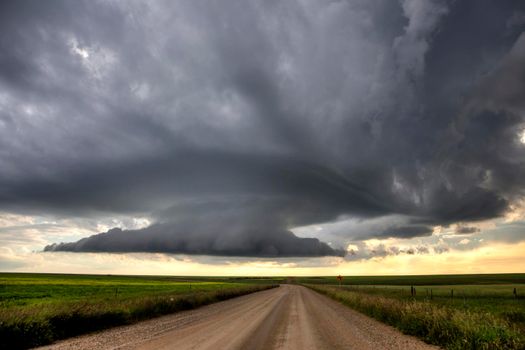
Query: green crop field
37 309
453 311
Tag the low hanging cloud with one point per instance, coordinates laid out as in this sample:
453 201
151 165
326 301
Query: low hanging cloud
363 251
230 124
212 227
403 232
462 230
165 238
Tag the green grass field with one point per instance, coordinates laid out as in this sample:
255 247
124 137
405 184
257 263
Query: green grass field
453 311
37 309
482 312
421 280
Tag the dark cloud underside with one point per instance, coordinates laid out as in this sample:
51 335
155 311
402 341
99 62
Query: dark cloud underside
201 241
230 123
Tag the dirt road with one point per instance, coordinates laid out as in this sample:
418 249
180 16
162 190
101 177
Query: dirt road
288 317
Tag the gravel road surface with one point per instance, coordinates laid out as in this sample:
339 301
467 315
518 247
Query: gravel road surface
288 317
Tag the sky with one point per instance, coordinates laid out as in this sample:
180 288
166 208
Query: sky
271 137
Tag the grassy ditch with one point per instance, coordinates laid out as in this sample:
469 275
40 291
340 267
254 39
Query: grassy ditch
39 309
435 322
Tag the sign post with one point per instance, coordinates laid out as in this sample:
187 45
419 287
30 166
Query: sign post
340 278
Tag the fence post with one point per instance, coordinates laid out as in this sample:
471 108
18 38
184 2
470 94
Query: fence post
431 294
515 292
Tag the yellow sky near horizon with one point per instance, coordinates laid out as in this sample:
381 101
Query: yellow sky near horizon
496 258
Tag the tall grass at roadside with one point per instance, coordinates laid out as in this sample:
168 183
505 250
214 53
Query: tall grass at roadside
434 323
25 327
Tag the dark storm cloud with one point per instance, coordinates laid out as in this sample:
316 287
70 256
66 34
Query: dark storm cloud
157 181
462 230
240 227
194 239
406 231
261 117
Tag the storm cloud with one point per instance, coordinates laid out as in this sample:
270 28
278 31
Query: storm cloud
229 124
462 230
195 239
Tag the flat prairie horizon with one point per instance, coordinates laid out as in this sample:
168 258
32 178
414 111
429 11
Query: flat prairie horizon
484 310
